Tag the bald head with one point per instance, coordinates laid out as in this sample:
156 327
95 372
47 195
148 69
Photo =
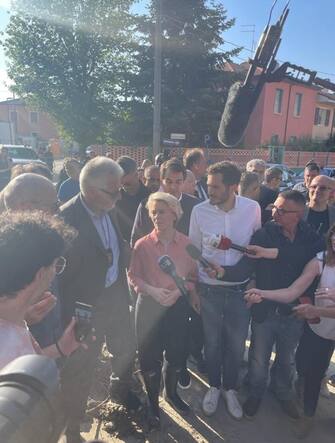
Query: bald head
29 192
320 190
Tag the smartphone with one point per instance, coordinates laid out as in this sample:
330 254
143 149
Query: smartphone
83 315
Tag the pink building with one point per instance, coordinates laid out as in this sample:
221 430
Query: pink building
285 113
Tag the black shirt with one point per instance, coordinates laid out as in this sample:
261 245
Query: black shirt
318 220
126 209
266 197
285 269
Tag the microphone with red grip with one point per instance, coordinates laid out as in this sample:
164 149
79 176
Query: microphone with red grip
224 243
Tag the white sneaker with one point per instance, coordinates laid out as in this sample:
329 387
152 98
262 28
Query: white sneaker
233 405
210 401
324 390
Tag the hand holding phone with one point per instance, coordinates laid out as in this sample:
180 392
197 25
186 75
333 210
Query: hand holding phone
83 316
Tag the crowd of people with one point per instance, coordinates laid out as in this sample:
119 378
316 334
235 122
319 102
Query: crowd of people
116 237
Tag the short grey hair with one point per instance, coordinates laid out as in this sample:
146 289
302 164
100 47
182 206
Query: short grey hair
255 162
172 202
95 172
25 188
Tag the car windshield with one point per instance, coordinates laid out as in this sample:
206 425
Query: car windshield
24 153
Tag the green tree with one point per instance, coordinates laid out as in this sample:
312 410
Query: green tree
194 85
72 59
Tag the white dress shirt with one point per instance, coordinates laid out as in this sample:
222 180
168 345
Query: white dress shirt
238 225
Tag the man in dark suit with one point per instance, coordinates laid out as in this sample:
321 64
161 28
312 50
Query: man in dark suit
133 192
95 275
195 161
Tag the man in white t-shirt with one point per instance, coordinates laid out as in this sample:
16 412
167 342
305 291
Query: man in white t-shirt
223 310
31 251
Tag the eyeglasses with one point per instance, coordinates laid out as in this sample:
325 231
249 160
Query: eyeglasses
322 188
282 211
60 265
113 195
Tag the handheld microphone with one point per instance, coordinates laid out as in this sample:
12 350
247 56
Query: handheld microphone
167 266
195 253
224 243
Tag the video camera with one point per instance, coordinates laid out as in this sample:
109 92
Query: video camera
30 401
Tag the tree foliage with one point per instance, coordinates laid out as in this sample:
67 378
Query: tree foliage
71 59
194 85
90 65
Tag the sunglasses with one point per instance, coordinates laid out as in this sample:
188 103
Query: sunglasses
60 265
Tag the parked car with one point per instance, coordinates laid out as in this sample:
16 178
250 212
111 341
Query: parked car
21 154
288 179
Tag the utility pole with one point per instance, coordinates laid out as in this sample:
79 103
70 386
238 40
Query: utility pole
157 80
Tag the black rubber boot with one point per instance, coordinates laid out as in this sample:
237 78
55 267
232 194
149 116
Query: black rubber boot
171 377
152 380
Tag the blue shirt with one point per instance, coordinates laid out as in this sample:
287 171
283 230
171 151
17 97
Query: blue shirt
108 236
68 189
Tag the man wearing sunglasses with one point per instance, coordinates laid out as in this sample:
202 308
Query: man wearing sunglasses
96 275
319 214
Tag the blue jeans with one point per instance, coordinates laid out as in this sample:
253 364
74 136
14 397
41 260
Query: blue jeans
284 332
226 320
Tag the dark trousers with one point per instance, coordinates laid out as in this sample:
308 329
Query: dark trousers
225 320
284 332
111 321
312 358
196 332
160 329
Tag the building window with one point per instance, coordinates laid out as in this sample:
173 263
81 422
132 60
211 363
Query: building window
278 101
322 117
292 140
13 116
274 139
34 134
297 105
33 118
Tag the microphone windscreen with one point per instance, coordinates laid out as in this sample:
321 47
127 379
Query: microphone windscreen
225 243
193 251
166 264
239 106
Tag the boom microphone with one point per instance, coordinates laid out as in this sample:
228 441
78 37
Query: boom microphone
224 243
242 97
167 266
239 106
195 253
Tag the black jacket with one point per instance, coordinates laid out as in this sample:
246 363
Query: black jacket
87 263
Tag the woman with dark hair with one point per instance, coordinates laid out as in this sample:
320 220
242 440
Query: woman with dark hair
317 342
162 312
